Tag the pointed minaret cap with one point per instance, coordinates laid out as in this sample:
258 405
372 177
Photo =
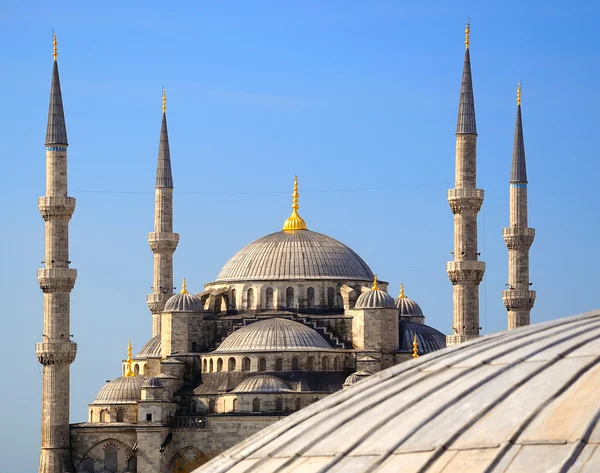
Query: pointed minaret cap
466 107
164 177
295 222
56 130
518 171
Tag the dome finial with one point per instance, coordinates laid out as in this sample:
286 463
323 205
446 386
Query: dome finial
54 46
129 372
519 94
295 222
415 353
402 295
164 100
184 287
467 33
375 286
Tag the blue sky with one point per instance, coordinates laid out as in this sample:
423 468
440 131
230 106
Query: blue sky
359 99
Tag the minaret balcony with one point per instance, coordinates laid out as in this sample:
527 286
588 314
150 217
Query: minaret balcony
50 353
465 200
163 241
517 238
56 207
465 272
515 299
56 279
157 301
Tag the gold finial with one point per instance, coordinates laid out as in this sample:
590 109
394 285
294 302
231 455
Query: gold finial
295 222
129 372
467 33
519 94
402 295
164 100
184 287
54 45
375 286
415 353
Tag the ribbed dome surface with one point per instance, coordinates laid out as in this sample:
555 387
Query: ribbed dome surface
356 377
150 349
273 335
428 338
123 390
263 383
292 255
520 401
183 302
375 299
408 307
151 383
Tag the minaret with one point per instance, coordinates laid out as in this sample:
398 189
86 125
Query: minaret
162 240
465 200
56 351
518 299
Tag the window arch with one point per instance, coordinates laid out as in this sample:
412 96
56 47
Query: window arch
325 363
310 298
231 364
211 366
256 405
295 364
298 404
250 299
262 365
279 404
235 405
269 298
330 297
136 369
278 364
104 416
204 365
246 364
211 406
232 300
289 297
111 460
310 364
336 364
219 365
91 415
120 414
347 362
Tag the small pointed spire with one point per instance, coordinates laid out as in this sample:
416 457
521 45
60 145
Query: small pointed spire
467 34
518 171
56 130
164 177
415 353
375 285
295 222
466 108
402 295
184 287
128 371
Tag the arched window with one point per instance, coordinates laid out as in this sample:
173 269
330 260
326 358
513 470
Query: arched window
278 404
132 464
232 300
136 369
235 405
246 364
111 461
310 298
262 365
219 365
347 362
145 369
194 347
269 298
104 416
256 405
211 406
87 465
204 365
340 301
211 366
91 415
278 364
250 299
336 364
325 363
120 414
295 364
330 297
231 364
289 297
298 404
310 364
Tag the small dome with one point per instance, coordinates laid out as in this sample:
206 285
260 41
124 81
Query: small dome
406 306
375 299
123 390
274 335
184 302
428 338
356 377
263 383
151 383
150 349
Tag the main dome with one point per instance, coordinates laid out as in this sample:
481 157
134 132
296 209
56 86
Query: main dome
292 255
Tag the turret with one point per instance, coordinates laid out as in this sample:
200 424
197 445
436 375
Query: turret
465 271
163 241
518 299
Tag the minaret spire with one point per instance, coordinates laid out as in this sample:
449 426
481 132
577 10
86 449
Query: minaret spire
56 351
465 200
518 299
163 241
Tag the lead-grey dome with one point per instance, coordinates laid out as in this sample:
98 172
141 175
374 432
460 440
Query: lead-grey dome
520 401
262 383
428 338
375 299
123 390
291 255
408 307
184 302
151 383
151 349
356 377
273 335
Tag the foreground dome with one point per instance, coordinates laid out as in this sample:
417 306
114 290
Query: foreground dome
520 401
273 335
262 383
293 255
123 390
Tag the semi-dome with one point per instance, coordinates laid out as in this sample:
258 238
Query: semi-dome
151 383
123 390
262 383
184 302
274 335
356 377
406 306
375 299
428 338
151 349
519 401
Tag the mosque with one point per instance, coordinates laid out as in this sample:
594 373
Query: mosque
290 319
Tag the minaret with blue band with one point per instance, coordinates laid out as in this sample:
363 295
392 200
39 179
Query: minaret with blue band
518 298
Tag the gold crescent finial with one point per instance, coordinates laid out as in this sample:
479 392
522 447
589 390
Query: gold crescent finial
184 287
129 372
467 33
375 285
415 353
402 295
295 222
164 100
54 46
519 94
